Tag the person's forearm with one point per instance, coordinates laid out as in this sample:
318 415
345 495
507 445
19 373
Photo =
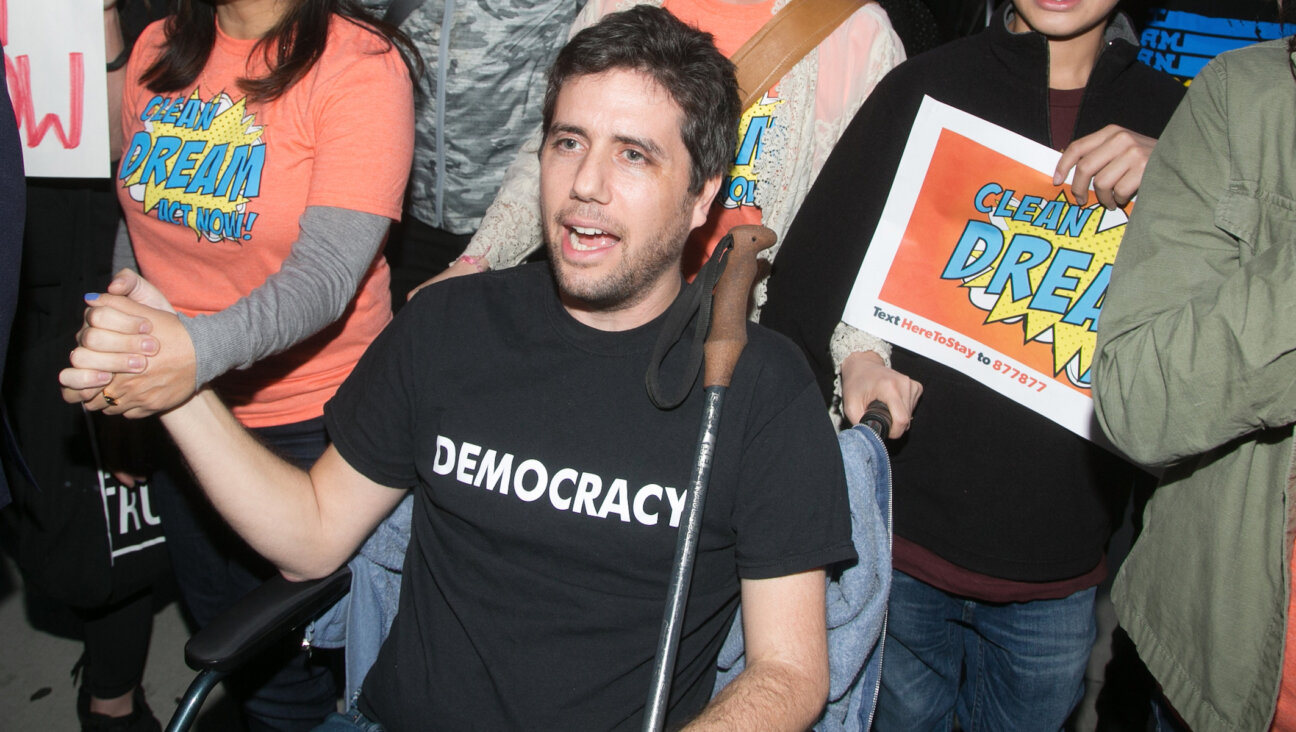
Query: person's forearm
1177 379
767 695
511 228
1197 340
848 340
268 502
334 249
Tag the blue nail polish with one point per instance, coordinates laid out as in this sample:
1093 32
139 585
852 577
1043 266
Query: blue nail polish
92 296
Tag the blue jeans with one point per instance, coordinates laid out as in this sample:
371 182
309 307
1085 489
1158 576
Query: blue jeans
350 721
1164 717
1010 666
285 690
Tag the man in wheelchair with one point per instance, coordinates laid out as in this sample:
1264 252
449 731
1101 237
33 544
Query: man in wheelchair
548 486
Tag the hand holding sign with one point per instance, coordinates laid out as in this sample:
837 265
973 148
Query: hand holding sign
981 262
1112 160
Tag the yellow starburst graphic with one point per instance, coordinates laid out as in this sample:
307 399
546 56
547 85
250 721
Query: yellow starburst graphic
755 122
197 163
1049 271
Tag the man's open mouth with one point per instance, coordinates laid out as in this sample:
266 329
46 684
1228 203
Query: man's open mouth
588 239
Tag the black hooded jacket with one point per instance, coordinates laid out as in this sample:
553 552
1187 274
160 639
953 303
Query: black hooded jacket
981 481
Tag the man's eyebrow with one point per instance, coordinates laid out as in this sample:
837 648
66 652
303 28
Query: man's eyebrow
648 146
565 129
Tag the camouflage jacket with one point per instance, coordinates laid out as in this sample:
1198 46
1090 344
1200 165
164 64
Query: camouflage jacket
475 103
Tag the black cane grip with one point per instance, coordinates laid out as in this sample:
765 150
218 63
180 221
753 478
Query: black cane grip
877 418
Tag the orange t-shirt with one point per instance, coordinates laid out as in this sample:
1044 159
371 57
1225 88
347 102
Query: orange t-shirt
213 184
731 25
1285 715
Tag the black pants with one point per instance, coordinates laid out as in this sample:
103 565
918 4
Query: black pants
67 251
116 645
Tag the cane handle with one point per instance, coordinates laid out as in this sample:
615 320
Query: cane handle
728 333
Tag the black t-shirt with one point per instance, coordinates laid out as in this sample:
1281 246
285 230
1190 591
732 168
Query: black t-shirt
548 491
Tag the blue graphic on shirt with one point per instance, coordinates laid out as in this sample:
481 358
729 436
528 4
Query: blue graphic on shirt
1181 43
197 164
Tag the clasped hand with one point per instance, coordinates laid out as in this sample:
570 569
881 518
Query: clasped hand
134 357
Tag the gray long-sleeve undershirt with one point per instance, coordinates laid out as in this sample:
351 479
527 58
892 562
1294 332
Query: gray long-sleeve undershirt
334 249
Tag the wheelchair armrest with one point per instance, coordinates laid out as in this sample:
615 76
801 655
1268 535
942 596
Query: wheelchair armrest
265 614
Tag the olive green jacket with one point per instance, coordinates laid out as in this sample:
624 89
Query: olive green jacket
1196 371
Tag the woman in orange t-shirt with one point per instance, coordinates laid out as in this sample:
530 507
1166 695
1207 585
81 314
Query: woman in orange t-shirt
266 149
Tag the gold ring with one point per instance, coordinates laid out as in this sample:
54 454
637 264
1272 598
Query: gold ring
111 401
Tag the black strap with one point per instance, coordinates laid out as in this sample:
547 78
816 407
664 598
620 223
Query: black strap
696 298
399 10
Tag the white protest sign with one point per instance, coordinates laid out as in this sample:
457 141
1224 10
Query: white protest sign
980 263
55 68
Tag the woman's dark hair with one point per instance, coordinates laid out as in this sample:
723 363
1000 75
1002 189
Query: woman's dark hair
683 60
291 48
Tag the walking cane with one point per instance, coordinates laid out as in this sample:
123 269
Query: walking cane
724 344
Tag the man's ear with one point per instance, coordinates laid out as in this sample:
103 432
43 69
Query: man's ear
702 206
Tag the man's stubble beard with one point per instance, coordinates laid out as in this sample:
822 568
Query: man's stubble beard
631 281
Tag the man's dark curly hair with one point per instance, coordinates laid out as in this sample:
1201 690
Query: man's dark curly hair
683 60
